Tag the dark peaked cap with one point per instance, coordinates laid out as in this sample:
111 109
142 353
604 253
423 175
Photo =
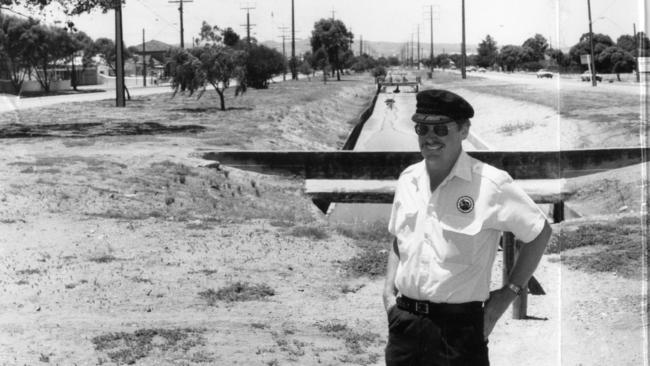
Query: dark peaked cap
441 106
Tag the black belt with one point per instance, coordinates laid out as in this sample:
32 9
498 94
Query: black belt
434 308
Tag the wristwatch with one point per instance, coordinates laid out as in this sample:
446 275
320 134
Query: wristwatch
514 288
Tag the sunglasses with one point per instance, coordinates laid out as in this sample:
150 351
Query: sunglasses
440 129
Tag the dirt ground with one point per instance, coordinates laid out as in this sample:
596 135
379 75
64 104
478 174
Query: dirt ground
114 249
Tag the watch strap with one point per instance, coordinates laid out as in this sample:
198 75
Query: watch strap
514 288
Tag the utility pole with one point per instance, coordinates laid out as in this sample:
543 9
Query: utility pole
431 40
351 40
294 73
180 11
411 51
462 48
360 45
73 76
144 62
119 57
591 46
248 24
636 49
418 59
283 29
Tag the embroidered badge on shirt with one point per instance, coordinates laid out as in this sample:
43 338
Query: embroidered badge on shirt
465 204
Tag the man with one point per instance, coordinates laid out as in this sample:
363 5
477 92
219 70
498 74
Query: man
448 214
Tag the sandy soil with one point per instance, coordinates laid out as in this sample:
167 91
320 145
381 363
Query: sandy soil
107 242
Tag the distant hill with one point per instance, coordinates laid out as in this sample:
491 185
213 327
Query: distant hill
377 49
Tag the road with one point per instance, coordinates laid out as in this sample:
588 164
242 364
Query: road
565 82
10 102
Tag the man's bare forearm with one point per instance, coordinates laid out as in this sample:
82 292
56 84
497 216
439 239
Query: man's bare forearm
529 257
391 271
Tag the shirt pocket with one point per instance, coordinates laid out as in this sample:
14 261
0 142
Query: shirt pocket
459 233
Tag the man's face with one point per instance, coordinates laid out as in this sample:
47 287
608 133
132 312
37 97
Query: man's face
442 151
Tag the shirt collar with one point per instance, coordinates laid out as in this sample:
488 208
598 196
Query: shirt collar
461 169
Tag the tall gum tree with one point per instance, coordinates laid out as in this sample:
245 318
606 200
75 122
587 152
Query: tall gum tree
332 36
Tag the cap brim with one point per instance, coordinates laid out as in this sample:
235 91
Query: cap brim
432 119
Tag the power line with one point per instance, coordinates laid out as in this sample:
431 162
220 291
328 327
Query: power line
158 16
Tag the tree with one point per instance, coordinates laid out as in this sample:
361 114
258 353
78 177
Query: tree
230 38
363 63
538 45
617 60
563 61
379 72
442 60
13 53
262 63
209 35
331 36
487 52
320 60
455 58
215 65
601 42
84 43
71 7
627 43
305 68
44 47
511 56
105 49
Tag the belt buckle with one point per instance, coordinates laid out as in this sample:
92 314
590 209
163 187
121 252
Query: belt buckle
422 307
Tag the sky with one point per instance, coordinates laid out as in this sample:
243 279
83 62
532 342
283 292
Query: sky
507 21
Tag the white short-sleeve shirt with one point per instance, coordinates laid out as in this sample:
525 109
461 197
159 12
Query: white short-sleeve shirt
448 238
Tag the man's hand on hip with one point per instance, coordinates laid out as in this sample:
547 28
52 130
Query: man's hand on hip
495 306
389 300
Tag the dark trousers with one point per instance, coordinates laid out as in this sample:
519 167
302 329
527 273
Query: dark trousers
437 339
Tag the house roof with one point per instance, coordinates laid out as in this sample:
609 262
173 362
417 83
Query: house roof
154 46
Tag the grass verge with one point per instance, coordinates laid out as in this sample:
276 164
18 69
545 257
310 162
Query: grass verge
617 247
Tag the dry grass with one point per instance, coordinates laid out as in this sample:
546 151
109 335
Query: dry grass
585 104
238 291
613 246
312 232
373 240
512 128
260 117
127 348
355 341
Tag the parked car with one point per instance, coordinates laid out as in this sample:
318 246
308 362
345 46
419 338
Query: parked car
482 69
586 76
544 74
471 69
